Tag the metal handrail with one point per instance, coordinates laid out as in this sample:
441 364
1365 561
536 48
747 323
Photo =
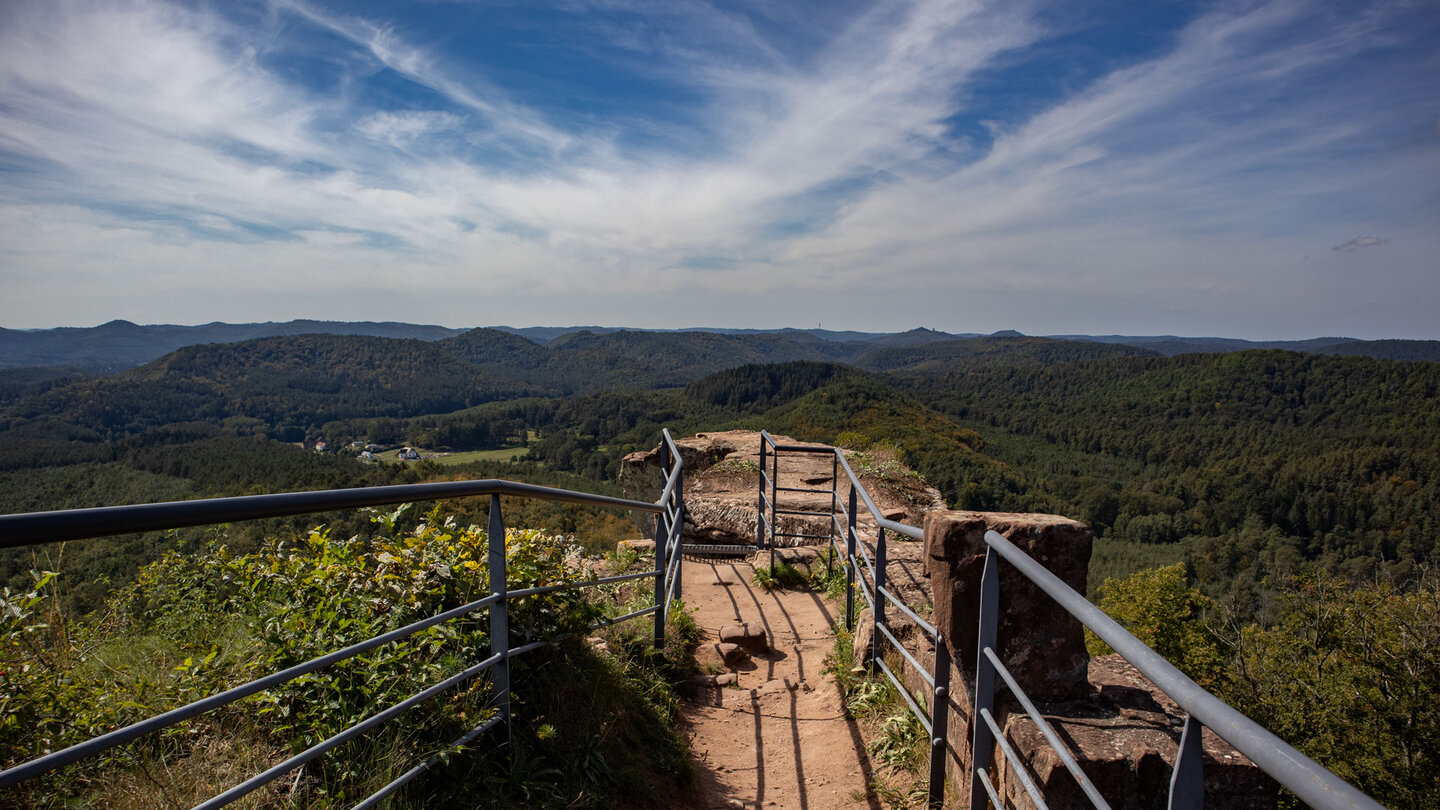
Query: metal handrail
45 527
1306 778
875 593
31 528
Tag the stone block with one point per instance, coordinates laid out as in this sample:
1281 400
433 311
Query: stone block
1041 644
864 638
731 654
750 635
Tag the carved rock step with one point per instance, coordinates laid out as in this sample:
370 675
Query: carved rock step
750 635
731 654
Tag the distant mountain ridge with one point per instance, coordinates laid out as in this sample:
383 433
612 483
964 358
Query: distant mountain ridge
119 345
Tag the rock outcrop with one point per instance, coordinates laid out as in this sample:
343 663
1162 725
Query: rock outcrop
1041 645
722 474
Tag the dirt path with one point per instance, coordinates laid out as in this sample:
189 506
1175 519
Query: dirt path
779 737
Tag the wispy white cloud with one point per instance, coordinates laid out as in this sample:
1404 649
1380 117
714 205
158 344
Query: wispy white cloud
169 162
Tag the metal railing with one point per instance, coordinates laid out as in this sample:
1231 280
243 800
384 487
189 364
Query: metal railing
842 519
669 509
1307 779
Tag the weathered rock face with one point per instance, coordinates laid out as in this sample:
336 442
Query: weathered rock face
1125 736
1041 644
722 475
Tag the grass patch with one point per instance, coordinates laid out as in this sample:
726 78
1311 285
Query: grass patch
896 738
784 576
467 456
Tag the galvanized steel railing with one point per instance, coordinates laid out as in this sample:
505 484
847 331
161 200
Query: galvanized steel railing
842 519
1306 778
1310 781
669 509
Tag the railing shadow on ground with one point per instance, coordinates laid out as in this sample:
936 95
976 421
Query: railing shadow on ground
669 509
783 626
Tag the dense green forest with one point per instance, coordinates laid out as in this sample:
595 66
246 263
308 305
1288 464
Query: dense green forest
1247 465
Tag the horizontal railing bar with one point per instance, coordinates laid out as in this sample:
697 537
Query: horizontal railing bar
1017 765
803 489
277 771
1049 732
910 614
105 742
531 647
75 524
1307 779
626 617
920 714
587 583
895 642
880 519
802 513
382 794
802 536
801 448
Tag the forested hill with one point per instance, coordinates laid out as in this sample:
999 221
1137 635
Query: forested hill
1254 461
284 385
1247 464
118 345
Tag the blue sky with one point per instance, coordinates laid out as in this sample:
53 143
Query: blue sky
1248 169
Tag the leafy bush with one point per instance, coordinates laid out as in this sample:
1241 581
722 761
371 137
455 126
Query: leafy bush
192 626
1351 677
1162 610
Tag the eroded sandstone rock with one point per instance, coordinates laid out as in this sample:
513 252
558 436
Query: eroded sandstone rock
1041 644
722 489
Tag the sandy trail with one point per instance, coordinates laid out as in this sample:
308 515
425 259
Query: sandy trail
779 738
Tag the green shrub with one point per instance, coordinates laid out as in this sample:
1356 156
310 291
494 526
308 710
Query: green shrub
194 625
784 575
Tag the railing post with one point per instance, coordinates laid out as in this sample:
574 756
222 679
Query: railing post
939 722
1187 781
774 495
982 742
834 507
662 543
499 615
760 501
679 531
877 640
850 564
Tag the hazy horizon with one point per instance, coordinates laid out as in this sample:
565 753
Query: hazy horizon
713 328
